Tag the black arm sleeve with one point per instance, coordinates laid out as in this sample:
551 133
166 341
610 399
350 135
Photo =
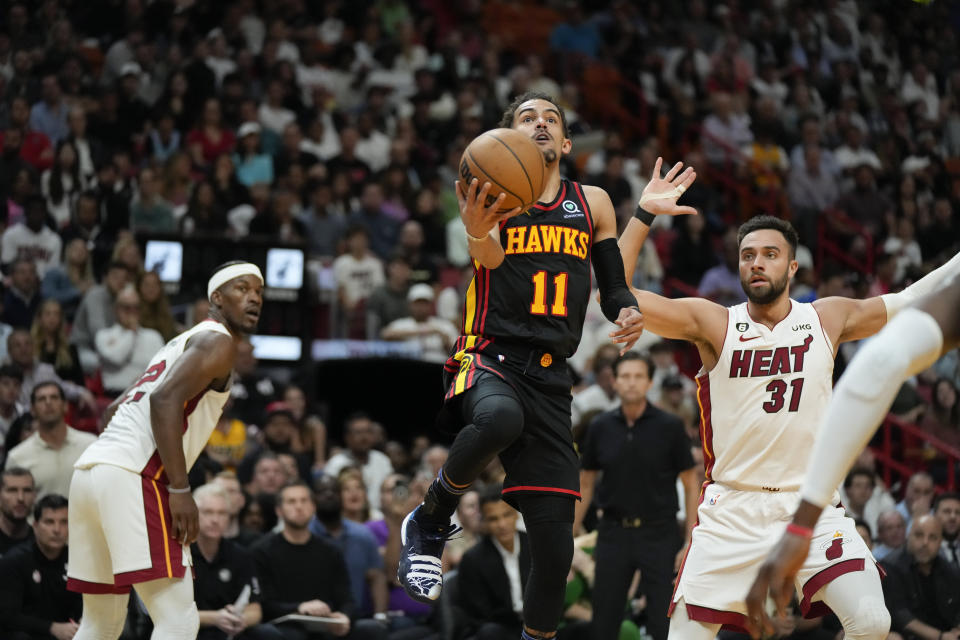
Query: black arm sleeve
614 292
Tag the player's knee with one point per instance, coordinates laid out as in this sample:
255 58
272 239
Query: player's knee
500 418
184 626
872 621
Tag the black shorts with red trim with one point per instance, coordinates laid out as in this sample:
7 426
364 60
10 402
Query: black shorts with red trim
543 458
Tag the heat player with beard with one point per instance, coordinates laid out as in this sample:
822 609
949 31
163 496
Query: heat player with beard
507 380
763 391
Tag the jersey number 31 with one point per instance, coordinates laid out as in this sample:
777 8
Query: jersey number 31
778 388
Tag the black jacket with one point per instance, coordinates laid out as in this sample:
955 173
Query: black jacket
905 597
33 591
484 586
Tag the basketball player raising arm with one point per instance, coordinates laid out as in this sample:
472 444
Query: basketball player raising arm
132 517
910 343
763 389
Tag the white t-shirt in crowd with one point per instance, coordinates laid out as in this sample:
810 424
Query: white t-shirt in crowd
20 242
357 278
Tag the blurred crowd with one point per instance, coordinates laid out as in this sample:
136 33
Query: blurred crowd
338 126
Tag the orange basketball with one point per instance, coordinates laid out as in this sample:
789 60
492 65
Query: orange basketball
510 161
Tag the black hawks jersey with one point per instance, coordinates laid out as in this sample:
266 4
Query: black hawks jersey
538 296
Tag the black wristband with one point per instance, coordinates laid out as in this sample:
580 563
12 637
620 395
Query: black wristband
644 216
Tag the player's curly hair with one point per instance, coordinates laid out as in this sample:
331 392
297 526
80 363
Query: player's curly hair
769 222
506 120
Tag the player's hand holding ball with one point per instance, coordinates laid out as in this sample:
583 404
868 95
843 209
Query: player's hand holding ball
478 218
185 517
502 172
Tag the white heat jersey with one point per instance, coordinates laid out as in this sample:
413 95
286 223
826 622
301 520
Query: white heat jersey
128 440
762 404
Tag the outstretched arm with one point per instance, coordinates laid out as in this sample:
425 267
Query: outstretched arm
849 319
659 198
618 304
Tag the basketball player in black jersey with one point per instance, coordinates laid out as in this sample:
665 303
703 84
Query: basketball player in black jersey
508 384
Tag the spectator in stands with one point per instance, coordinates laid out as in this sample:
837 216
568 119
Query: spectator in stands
268 475
722 282
411 246
382 230
811 189
205 214
68 282
22 298
358 272
125 348
946 509
891 533
209 139
917 498
942 417
388 302
236 502
50 452
34 601
921 588
353 497
50 340
292 151
61 184
253 166
470 520
359 438
222 570
11 379
35 149
432 336
155 307
311 430
368 582
150 212
691 253
600 395
324 227
96 312
852 154
300 573
272 114
31 240
22 353
675 399
725 130
49 116
278 221
17 495
433 459
251 391
858 488
940 236
493 574
227 445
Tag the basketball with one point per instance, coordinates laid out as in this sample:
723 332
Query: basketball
510 161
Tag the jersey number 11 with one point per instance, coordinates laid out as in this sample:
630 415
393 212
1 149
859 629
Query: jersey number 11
539 305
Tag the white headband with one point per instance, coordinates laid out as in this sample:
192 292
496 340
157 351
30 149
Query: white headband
227 274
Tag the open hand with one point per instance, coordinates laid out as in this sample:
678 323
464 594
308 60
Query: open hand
478 218
660 195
